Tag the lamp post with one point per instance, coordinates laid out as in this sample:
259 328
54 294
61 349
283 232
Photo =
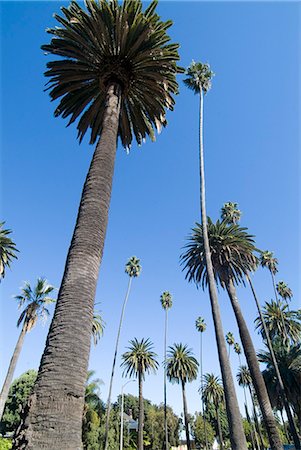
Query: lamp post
121 414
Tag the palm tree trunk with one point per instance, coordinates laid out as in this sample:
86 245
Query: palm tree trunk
202 399
219 428
257 378
278 302
290 418
237 436
186 416
284 426
114 363
165 404
11 369
257 424
54 411
141 413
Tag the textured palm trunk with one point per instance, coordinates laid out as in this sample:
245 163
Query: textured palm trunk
283 394
202 399
237 435
186 416
141 413
165 401
219 429
11 369
257 378
257 424
114 364
53 416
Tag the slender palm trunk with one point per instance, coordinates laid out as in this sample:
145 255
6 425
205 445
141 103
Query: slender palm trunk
257 378
141 413
186 416
257 424
202 388
237 436
11 369
290 418
53 416
165 404
252 425
284 426
219 428
114 363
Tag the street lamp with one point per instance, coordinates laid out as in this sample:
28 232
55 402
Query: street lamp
121 414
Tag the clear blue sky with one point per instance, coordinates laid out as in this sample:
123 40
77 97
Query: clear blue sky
252 157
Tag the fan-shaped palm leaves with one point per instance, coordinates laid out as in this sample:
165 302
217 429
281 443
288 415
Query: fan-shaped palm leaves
166 302
139 360
8 249
133 270
198 79
232 258
284 291
230 213
230 340
114 73
35 301
214 393
182 367
98 325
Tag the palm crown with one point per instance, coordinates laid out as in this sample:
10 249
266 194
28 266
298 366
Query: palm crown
132 267
181 365
140 358
199 77
166 300
109 43
7 249
284 291
98 326
230 338
268 260
200 324
237 348
36 299
230 212
231 250
213 391
243 376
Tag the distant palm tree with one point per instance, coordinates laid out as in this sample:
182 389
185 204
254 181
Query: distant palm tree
232 258
230 213
284 291
166 302
139 360
280 322
35 300
230 341
114 73
214 393
201 327
198 79
8 250
98 326
182 367
92 394
268 260
132 269
237 349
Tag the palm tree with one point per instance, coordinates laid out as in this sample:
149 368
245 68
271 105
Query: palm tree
237 349
182 367
230 213
92 394
230 341
139 360
199 80
280 322
35 300
115 72
284 291
232 258
268 260
166 302
201 327
8 250
132 269
98 326
214 393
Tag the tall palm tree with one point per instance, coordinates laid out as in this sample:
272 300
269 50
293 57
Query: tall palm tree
230 213
284 291
35 300
281 323
8 249
132 269
201 327
199 80
139 360
166 302
268 260
182 367
237 349
214 393
115 72
230 341
232 258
